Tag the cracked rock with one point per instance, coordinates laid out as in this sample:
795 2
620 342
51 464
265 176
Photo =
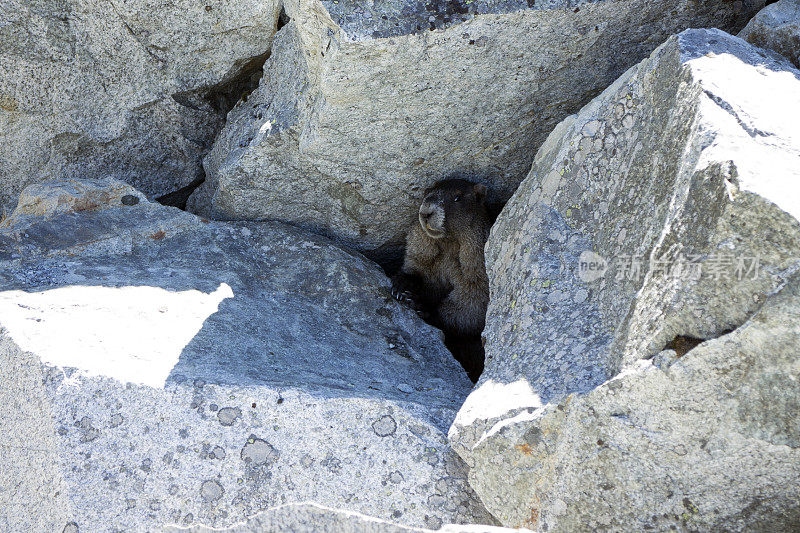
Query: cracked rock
685 228
342 136
120 88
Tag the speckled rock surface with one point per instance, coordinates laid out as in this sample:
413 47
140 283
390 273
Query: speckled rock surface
168 370
665 212
710 443
362 21
313 518
342 136
131 88
777 27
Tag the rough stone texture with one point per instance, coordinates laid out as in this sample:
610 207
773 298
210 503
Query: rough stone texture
313 518
161 369
777 27
342 136
30 478
362 21
682 162
711 443
131 88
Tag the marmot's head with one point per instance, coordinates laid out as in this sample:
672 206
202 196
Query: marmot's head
450 207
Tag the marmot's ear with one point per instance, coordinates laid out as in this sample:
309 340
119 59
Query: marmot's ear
480 191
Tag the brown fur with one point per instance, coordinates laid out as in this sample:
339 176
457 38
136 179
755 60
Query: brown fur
443 274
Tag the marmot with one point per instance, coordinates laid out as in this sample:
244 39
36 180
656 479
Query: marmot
443 274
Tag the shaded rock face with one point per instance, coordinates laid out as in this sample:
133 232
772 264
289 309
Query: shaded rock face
168 370
342 137
363 21
777 28
135 89
663 214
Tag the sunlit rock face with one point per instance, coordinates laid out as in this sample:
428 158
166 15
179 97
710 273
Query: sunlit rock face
357 114
162 369
136 89
310 517
664 214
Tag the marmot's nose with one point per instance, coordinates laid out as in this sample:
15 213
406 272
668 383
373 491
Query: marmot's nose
426 210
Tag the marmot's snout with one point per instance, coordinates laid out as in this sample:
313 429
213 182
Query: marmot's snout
431 218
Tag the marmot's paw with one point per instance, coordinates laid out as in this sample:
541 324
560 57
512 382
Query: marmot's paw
401 295
401 290
407 299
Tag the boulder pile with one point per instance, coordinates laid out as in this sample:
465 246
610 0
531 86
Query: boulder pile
196 334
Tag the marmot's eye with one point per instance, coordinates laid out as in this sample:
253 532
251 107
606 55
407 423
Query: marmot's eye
457 198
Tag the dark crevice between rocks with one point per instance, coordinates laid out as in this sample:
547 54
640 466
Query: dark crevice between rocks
389 255
219 99
283 20
178 198
495 208
225 95
222 97
683 344
470 353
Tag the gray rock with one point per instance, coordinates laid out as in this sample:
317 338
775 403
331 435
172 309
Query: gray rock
33 492
342 136
163 369
665 358
361 21
663 214
313 518
777 28
710 444
136 89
